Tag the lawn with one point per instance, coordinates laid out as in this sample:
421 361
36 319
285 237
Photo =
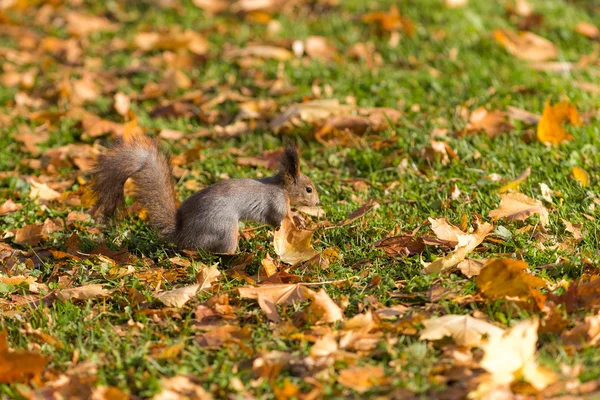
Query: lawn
454 148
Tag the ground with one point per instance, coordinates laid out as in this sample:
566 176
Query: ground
419 121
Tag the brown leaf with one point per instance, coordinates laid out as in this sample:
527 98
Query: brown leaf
178 297
493 123
584 334
122 103
401 246
282 294
466 244
362 379
472 266
207 276
172 39
505 278
29 234
87 292
369 205
522 115
19 365
82 24
518 207
526 45
445 231
550 128
390 21
9 206
574 229
323 308
261 51
291 244
41 191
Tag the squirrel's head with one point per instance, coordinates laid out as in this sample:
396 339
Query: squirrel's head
301 190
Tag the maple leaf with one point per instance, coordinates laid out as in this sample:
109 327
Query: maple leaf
464 329
291 244
504 278
526 45
550 128
19 365
466 244
445 231
518 207
511 357
29 234
324 308
471 266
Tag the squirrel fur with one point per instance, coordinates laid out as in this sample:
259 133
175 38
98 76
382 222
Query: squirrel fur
209 218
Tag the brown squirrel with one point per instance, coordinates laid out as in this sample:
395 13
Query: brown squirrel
209 218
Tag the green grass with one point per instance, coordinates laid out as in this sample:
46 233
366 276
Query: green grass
118 336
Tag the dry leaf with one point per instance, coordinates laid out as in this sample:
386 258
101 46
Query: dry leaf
324 308
587 29
41 191
19 365
207 276
472 266
574 229
522 115
82 25
511 357
401 246
466 244
291 244
463 329
445 231
506 278
87 292
550 128
518 207
261 51
584 334
178 297
514 185
282 294
122 103
581 176
493 123
268 266
29 234
361 379
526 45
181 387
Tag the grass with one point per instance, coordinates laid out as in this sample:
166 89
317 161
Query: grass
417 77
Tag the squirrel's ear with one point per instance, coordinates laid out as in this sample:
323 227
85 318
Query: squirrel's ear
290 163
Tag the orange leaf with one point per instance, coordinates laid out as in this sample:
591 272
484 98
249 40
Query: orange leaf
504 277
550 128
581 175
19 365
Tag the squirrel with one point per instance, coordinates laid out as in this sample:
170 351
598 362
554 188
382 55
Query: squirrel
209 219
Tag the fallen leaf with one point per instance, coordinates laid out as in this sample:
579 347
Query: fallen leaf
581 176
584 334
472 266
41 191
82 24
463 329
390 21
122 103
587 29
401 246
178 297
466 244
526 45
511 357
173 39
516 182
181 387
281 294
29 234
522 115
291 244
261 51
369 205
323 308
518 207
87 292
207 276
506 278
574 229
361 379
19 365
268 266
445 231
493 123
550 128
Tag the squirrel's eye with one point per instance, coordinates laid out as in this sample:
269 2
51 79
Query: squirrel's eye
308 189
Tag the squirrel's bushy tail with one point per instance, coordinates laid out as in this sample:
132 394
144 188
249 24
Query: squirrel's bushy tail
138 158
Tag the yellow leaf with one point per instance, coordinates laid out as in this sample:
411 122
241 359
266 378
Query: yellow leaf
526 45
291 244
581 175
504 278
361 379
550 128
